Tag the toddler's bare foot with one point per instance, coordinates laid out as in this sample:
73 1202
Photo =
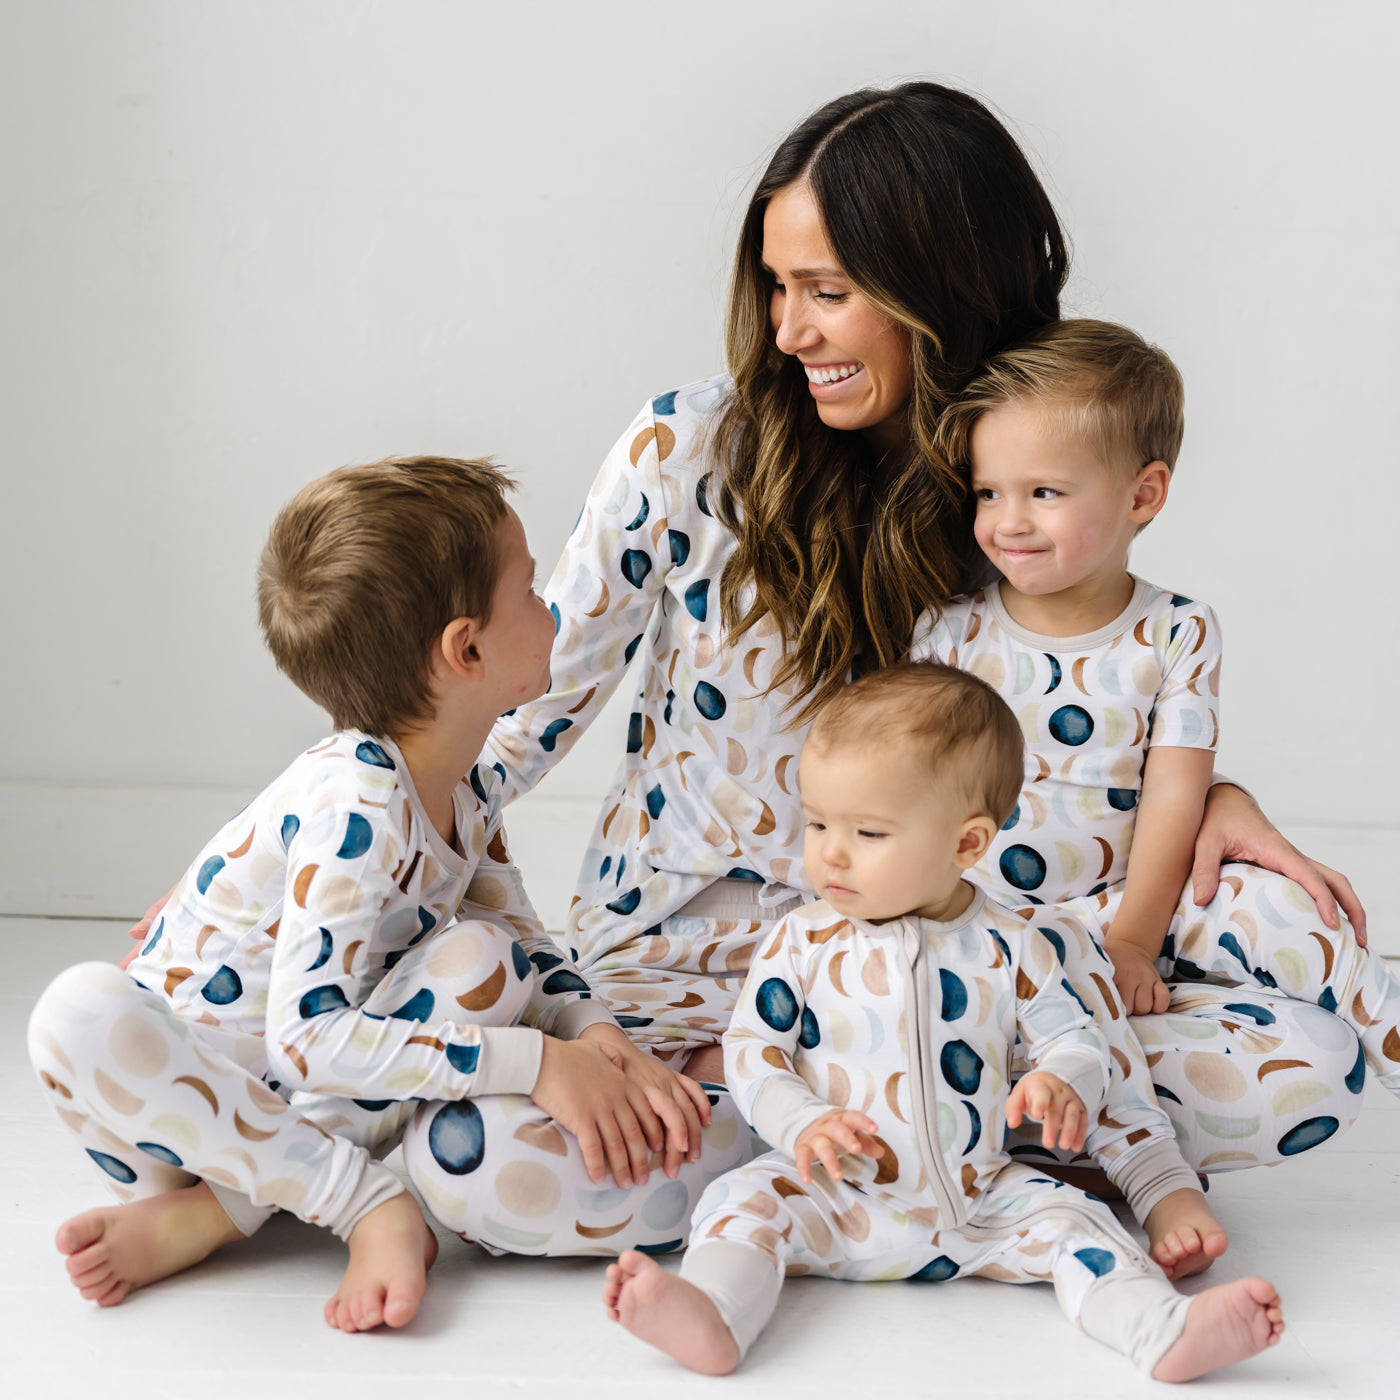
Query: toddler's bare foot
1183 1234
391 1251
1225 1324
669 1313
706 1063
114 1249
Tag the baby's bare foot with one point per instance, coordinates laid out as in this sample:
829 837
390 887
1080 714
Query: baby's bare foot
672 1315
1183 1234
114 1249
1225 1324
391 1251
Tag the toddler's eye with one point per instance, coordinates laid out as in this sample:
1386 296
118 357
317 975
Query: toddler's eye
984 493
815 826
1045 493
873 835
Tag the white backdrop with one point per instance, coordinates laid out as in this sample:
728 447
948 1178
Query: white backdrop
246 242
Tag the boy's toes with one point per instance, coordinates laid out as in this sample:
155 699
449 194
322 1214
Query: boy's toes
401 1305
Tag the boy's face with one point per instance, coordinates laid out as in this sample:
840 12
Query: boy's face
1051 515
519 637
882 835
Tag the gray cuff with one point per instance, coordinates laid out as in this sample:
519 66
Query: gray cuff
1148 1176
740 1281
572 1020
784 1109
510 1060
1136 1314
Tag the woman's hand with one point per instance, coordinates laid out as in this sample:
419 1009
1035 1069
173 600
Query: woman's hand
141 929
1235 829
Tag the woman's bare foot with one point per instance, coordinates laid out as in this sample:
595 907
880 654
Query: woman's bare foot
391 1251
114 1249
706 1063
1225 1324
1183 1234
672 1315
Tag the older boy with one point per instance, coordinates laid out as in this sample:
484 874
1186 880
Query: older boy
355 941
873 1044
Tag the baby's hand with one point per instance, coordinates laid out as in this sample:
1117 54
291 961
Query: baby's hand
1135 975
1049 1100
841 1130
680 1104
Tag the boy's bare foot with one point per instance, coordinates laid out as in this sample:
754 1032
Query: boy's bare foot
114 1249
1225 1324
391 1251
706 1063
1183 1235
669 1313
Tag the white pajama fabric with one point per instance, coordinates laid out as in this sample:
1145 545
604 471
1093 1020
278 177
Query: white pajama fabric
913 1023
1268 1003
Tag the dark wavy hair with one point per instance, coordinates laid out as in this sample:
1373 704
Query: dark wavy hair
939 221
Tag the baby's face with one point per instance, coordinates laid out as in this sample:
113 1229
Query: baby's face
1051 515
882 835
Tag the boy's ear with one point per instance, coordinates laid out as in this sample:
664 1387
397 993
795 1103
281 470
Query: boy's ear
976 835
1150 492
457 651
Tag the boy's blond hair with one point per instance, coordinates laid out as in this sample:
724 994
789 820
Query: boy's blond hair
1104 383
362 571
959 726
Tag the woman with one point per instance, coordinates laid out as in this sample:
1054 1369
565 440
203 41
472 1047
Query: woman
761 537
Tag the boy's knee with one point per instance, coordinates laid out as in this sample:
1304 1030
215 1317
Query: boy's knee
76 997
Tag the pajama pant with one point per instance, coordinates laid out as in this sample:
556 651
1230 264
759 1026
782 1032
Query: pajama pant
759 1223
1292 1079
1268 1004
160 1101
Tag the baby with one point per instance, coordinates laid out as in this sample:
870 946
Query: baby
873 1045
356 943
1070 437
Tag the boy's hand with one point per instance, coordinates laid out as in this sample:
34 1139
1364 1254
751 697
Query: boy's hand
1049 1100
841 1130
1135 975
680 1103
582 1087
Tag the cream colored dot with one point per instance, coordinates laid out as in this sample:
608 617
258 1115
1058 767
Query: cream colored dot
527 1189
1215 1077
137 1047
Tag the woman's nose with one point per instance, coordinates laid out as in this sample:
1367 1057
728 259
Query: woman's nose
792 329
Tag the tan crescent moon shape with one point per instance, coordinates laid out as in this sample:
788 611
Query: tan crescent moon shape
1141 726
486 993
347 961
1234 882
203 938
174 977
1044 769
640 442
680 766
200 1087
1106 994
1269 1066
665 442
1140 633
304 878
974 628
1107 856
767 822
243 849
601 606
298 1059
586 701
600 1232
1077 671
430 1040
780 772
833 970
246 1130
749 658
892 1093
1358 1010
648 736
1327 954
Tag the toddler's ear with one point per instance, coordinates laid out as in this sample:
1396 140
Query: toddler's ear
1150 492
456 649
976 835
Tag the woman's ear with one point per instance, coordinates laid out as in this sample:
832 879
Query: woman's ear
976 835
456 650
1150 492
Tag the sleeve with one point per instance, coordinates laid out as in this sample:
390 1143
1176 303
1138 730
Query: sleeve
603 594
938 633
561 1003
1186 711
759 1066
1059 1034
340 877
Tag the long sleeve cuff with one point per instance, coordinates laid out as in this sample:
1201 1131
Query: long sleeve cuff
571 1021
784 1109
1083 1071
510 1060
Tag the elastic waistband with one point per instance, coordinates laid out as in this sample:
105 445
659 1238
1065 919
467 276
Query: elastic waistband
740 899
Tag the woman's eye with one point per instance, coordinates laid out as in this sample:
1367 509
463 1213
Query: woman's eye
832 298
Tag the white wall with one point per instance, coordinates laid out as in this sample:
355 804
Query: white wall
247 242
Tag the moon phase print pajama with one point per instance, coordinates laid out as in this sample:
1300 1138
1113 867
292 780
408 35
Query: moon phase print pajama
912 1023
328 969
1257 1058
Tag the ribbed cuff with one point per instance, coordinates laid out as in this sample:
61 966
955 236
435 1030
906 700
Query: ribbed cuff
510 1060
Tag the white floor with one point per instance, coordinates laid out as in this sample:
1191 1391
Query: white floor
1324 1228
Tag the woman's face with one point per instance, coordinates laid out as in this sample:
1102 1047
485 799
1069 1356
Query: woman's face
856 358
